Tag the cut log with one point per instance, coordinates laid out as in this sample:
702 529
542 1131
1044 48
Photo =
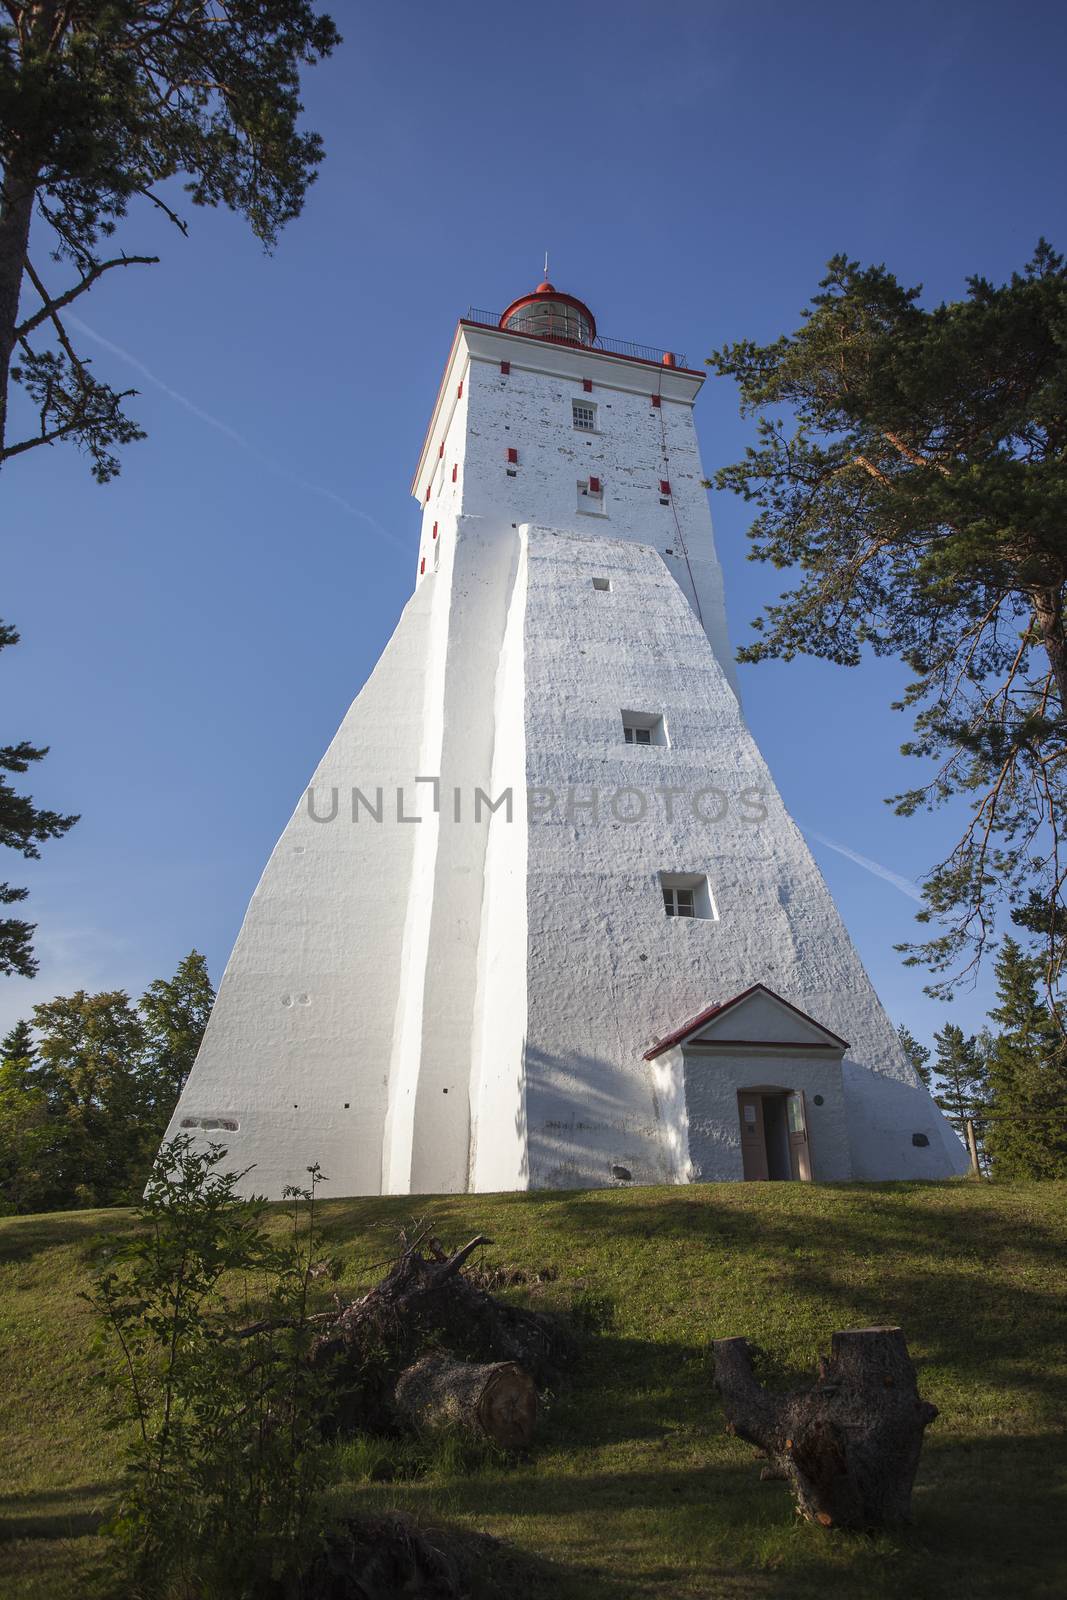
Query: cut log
849 1445
425 1301
497 1400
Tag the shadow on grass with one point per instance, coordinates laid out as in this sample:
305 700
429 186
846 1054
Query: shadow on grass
714 1530
977 1289
22 1238
71 1513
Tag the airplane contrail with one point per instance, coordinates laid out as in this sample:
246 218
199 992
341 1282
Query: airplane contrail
905 885
234 436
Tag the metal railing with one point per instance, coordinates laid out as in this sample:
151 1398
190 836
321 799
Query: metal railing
615 347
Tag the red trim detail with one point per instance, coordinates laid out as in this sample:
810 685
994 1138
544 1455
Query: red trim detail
514 333
459 391
656 400
572 344
587 385
505 368
455 470
435 530
546 292
664 486
427 491
687 1028
594 486
513 454
436 403
440 449
422 566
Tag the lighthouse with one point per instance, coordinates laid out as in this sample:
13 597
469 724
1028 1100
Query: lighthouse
540 918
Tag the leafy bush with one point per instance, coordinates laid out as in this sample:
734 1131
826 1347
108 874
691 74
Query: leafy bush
206 1329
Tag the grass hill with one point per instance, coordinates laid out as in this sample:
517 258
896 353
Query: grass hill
633 1489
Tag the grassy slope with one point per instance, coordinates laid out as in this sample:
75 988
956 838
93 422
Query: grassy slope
634 1490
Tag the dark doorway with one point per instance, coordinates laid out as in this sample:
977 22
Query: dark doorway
774 1135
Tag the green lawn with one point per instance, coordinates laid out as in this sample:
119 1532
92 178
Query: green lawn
633 1488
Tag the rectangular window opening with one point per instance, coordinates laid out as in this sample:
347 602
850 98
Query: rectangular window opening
602 584
583 416
688 894
591 496
644 727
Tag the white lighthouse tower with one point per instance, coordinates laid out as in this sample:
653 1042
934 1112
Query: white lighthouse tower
541 919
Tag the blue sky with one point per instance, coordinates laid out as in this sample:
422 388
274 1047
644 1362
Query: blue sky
193 633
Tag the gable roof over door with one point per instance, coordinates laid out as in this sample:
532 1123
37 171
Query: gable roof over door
824 1040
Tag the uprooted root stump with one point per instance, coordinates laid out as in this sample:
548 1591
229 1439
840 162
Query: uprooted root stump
425 1300
497 1401
848 1446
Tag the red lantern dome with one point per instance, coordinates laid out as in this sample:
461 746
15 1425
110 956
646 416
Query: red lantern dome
548 314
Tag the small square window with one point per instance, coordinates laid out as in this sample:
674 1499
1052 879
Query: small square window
602 584
678 902
644 727
687 894
583 414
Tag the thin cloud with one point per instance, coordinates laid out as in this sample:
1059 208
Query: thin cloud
234 436
905 885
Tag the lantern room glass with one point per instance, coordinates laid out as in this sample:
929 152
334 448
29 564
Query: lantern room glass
547 318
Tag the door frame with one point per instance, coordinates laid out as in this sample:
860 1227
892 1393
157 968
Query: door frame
755 1162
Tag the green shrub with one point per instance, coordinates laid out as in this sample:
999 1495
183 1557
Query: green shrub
205 1327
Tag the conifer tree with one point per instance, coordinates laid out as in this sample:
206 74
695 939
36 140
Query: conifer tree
909 471
23 827
174 1013
106 104
961 1075
18 1045
918 1054
1027 1135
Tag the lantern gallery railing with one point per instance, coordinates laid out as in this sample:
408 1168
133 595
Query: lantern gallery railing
615 347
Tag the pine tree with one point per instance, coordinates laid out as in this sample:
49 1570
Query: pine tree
18 1045
174 1013
961 1075
918 1054
908 472
23 827
103 104
1027 1074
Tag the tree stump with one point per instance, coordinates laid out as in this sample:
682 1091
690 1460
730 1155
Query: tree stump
848 1446
497 1401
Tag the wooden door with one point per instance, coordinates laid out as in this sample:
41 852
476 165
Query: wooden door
753 1139
799 1150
